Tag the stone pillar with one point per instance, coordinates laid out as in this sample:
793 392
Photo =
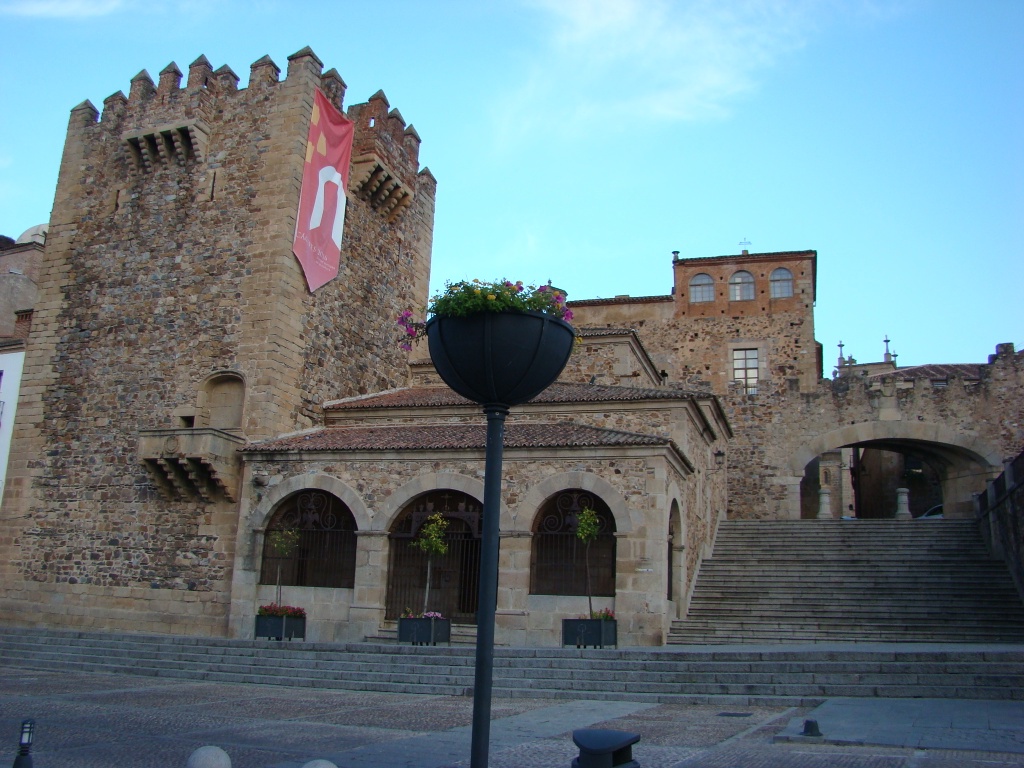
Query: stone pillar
903 504
824 504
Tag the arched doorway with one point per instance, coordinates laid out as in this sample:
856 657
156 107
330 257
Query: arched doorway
454 576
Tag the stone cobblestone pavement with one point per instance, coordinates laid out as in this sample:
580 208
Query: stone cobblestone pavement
88 721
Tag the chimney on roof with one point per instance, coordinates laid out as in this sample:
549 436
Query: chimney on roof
744 244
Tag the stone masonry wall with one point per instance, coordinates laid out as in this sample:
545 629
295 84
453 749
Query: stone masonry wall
637 485
168 260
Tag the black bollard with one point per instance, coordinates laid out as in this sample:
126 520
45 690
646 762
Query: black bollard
24 759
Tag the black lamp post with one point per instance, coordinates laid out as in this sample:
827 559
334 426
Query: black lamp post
497 360
24 759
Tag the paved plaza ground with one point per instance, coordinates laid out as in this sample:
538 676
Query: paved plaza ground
91 720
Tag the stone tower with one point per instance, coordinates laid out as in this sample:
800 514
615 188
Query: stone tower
174 324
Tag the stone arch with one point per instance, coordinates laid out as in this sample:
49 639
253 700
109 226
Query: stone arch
675 565
521 518
971 446
260 514
559 561
421 484
962 460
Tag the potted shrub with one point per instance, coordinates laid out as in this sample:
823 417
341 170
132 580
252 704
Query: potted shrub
598 628
277 622
427 627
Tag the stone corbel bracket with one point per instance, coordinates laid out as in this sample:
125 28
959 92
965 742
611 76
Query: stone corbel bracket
201 464
375 183
181 143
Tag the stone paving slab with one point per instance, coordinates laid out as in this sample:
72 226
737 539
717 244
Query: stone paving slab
93 720
994 726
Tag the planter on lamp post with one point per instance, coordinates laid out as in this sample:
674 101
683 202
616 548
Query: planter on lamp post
496 359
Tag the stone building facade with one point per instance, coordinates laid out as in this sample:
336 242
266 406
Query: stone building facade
196 426
198 434
742 326
173 324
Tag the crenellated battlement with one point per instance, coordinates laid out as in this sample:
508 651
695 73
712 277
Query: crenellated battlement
165 124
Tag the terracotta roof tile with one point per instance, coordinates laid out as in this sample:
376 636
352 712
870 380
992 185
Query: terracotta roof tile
414 397
620 300
451 436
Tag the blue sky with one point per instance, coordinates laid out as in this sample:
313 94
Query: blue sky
582 141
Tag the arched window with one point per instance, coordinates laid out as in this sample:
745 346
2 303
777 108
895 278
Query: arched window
559 564
310 542
741 286
781 283
702 288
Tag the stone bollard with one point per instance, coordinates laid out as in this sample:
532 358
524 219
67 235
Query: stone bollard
903 504
209 757
824 504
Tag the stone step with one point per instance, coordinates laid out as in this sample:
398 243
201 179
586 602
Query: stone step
657 675
773 581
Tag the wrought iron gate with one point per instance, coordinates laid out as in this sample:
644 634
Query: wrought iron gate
455 576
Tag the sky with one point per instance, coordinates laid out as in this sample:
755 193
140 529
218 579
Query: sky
582 141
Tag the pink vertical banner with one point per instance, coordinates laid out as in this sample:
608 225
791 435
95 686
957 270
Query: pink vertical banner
321 217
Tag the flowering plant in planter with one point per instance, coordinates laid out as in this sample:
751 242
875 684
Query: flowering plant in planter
409 614
472 297
605 614
273 609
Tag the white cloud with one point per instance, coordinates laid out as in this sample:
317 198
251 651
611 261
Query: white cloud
664 60
61 9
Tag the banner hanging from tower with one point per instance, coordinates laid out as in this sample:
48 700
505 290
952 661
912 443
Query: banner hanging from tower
321 217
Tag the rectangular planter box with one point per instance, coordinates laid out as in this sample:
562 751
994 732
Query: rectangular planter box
280 627
425 631
586 632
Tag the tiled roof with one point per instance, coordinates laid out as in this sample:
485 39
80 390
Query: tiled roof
586 332
414 397
402 437
935 372
620 300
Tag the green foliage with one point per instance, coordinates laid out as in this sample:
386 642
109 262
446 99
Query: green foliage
282 543
472 297
430 538
587 524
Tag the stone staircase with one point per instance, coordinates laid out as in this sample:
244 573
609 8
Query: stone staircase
725 676
462 634
851 580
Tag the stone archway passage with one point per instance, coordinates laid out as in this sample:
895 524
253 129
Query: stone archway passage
962 463
454 576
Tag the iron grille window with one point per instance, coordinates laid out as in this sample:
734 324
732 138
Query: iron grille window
310 542
781 283
455 576
741 286
744 369
559 566
702 288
